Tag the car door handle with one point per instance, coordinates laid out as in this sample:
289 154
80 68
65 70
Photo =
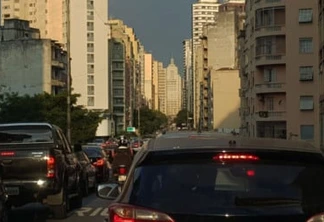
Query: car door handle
7 161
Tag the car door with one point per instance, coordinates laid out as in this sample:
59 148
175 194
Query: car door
71 161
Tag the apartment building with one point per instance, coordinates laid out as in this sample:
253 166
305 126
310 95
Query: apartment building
155 86
321 68
188 75
29 64
148 79
279 70
161 87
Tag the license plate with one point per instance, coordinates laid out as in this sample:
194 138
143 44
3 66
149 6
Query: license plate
12 191
121 178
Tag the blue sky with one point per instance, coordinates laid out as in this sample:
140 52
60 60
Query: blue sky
161 26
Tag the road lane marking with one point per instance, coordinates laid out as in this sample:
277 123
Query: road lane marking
104 213
95 212
83 210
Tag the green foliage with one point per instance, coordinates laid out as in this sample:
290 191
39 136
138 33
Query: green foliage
52 109
150 120
182 117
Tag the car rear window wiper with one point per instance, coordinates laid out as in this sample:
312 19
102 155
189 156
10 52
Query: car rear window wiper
266 201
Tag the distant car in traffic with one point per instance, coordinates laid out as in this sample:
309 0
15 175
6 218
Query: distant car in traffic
220 178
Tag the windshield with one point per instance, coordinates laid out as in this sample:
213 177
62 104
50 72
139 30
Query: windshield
93 152
214 188
25 134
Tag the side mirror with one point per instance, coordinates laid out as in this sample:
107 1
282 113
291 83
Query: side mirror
108 191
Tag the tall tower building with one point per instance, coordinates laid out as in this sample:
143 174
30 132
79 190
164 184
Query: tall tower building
187 77
173 90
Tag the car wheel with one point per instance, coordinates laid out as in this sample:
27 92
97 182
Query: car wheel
85 187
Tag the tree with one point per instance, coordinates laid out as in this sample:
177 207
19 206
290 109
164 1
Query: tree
182 117
52 109
150 120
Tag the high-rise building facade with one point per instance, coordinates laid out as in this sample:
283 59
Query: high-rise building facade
279 81
187 77
173 90
162 87
148 79
321 68
89 51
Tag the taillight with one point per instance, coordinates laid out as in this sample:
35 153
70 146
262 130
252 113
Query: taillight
224 157
50 167
100 162
122 171
128 213
250 173
7 153
317 218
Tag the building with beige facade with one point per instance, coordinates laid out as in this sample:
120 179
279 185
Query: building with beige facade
321 68
155 86
89 52
225 99
29 64
148 79
218 50
187 75
279 81
161 88
173 90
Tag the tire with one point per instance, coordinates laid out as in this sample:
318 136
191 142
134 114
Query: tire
77 202
85 187
61 211
4 214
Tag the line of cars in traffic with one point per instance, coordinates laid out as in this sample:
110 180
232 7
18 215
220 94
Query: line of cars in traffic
38 164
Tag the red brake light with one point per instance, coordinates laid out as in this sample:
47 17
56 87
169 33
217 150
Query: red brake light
7 153
223 157
100 162
250 173
50 167
128 213
317 218
122 171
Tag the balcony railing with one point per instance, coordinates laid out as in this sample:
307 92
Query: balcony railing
270 88
57 64
271 115
270 59
278 29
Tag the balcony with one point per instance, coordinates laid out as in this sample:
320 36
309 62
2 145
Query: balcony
270 30
268 3
270 88
270 115
270 59
58 64
59 83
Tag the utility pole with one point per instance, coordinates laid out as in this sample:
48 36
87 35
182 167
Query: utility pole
68 71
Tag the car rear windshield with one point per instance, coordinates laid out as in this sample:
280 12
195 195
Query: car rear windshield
25 134
244 187
93 151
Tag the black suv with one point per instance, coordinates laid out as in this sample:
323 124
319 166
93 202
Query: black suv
220 178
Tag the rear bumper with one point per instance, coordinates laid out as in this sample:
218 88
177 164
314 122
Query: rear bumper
22 192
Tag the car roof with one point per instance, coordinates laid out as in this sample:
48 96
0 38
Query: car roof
28 124
189 141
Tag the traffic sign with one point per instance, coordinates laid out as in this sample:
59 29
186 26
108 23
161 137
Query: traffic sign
131 129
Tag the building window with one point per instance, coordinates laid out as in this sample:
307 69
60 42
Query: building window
90 26
305 15
269 75
306 73
306 103
307 132
305 45
90 79
90 68
269 103
90 101
90 58
90 36
90 47
91 90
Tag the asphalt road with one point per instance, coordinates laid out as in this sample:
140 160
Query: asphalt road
94 209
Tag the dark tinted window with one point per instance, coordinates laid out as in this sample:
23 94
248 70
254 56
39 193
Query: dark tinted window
25 134
93 152
217 188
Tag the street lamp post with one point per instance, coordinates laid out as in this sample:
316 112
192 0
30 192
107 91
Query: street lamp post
68 70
